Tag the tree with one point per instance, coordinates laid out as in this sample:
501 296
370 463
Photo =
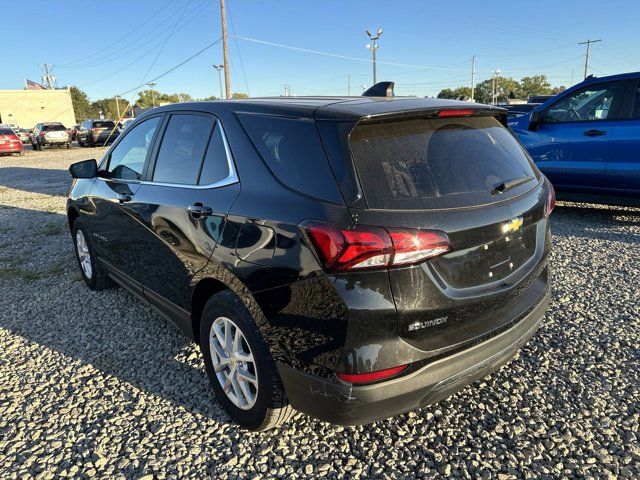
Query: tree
212 97
536 85
557 90
239 95
81 105
456 93
506 88
109 108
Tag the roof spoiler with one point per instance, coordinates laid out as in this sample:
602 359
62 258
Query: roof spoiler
380 89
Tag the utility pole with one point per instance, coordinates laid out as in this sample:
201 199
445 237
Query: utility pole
586 59
348 85
48 79
225 51
373 46
219 69
473 78
118 105
153 94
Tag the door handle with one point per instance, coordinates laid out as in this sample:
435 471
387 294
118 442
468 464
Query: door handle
594 133
198 210
123 197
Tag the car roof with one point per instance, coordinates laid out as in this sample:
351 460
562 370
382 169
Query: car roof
324 108
618 76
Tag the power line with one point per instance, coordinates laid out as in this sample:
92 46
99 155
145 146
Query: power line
235 40
347 57
199 52
115 55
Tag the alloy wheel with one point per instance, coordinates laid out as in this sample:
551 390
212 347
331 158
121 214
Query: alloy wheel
83 254
233 363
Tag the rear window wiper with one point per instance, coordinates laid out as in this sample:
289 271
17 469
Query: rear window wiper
510 184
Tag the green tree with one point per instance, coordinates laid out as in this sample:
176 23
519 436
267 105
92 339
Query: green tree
81 104
535 85
239 95
212 97
557 90
456 93
109 108
506 88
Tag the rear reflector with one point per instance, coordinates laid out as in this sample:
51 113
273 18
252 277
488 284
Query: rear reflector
551 201
460 112
370 247
371 376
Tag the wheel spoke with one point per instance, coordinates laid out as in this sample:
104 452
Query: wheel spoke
237 391
246 376
246 392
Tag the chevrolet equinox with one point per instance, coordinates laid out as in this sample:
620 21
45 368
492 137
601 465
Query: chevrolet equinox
350 258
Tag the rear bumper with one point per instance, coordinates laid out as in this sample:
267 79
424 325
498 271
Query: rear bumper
11 148
54 141
341 403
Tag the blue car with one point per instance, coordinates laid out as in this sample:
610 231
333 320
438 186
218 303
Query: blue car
586 140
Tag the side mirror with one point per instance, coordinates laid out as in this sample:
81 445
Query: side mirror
84 169
535 120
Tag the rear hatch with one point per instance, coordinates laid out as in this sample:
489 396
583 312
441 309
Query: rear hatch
464 174
104 129
54 132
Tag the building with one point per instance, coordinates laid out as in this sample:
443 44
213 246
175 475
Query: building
26 108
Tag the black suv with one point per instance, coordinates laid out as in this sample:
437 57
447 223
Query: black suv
96 132
350 258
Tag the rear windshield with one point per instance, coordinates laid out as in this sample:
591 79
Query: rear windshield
103 124
6 131
441 163
52 128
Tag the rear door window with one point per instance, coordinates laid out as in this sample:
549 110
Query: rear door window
440 163
53 128
293 151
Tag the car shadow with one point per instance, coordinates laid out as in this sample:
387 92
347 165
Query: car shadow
601 222
36 180
110 330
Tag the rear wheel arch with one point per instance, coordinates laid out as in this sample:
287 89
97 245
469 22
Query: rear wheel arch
72 216
202 292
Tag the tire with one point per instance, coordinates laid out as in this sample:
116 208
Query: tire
80 144
97 279
68 146
270 407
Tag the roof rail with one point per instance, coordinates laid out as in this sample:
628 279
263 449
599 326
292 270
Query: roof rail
380 89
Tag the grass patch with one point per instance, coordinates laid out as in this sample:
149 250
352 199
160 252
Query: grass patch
11 272
52 228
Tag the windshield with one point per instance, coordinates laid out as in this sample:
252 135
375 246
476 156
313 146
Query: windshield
440 163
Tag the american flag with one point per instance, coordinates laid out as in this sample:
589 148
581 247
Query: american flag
31 85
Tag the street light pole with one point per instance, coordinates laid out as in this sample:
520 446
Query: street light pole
219 69
373 47
494 96
118 105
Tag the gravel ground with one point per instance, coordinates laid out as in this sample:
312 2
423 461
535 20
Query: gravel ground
95 384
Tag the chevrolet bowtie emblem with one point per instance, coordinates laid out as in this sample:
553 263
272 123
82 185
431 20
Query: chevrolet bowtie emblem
513 225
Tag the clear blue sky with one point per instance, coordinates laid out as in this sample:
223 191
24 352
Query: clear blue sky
106 47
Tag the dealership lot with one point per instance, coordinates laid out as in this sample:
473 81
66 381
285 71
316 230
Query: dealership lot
97 384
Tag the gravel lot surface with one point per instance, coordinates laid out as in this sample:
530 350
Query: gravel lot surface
95 384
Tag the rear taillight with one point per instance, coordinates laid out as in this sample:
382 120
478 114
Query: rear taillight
551 201
457 112
369 377
369 247
14 138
